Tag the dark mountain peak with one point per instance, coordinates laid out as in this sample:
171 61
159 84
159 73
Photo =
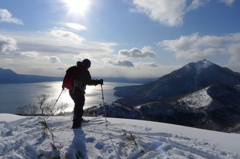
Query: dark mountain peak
202 64
193 67
7 72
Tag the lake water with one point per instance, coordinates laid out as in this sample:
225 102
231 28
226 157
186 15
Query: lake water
12 95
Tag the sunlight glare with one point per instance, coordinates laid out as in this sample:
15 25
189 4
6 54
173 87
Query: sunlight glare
78 5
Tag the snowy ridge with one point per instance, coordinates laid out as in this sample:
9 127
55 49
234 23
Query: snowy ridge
215 107
197 99
202 64
22 139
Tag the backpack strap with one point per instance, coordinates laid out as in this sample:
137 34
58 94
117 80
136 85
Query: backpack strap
78 71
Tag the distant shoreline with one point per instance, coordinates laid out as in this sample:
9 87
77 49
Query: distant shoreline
9 76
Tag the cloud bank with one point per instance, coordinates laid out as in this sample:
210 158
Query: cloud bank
196 47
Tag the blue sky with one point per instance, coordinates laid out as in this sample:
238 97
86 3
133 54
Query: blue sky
122 38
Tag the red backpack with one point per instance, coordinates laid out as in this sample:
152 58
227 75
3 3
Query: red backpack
71 73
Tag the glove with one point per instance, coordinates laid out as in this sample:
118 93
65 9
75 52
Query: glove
100 81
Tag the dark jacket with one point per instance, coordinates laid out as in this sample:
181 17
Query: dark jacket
83 78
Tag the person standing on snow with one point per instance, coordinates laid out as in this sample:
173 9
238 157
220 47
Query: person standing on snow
77 94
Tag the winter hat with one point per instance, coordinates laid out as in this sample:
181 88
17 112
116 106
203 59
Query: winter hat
87 63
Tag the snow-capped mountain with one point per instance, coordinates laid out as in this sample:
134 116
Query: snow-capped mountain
191 77
200 94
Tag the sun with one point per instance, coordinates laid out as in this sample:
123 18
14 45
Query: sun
78 6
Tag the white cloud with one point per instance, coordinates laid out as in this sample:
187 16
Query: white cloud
196 4
234 63
54 59
7 44
234 50
124 63
227 2
170 12
195 46
167 12
6 16
78 58
76 26
185 43
36 55
137 53
83 56
32 54
67 35
8 59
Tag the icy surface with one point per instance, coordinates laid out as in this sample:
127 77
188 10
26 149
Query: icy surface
22 139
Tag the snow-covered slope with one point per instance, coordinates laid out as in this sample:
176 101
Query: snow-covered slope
21 138
196 99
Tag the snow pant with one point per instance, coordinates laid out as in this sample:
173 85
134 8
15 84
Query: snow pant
79 101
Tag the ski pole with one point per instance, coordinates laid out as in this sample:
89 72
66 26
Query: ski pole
104 105
56 101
